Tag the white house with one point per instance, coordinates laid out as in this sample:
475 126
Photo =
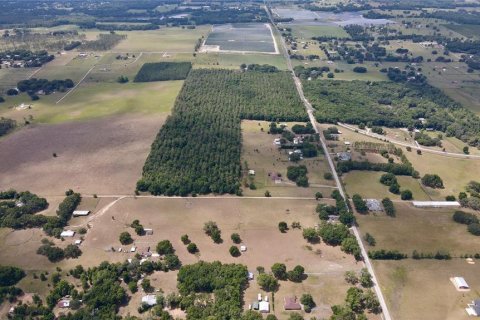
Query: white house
81 213
150 299
67 233
460 283
264 307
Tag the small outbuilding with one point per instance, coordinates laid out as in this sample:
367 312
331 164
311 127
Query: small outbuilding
243 248
78 242
150 299
81 213
255 305
148 232
264 307
64 303
473 309
460 283
250 275
291 303
67 233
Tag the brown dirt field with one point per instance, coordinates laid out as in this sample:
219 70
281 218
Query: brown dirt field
102 156
256 220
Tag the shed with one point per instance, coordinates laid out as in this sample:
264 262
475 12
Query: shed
251 172
473 309
250 276
148 232
436 204
81 213
78 242
150 299
291 303
133 249
460 283
264 307
67 233
243 248
255 305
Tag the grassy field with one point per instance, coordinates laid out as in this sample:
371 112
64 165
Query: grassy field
93 100
356 181
468 30
424 230
266 159
306 32
164 39
421 289
373 73
325 265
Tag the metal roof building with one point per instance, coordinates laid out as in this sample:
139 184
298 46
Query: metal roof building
436 204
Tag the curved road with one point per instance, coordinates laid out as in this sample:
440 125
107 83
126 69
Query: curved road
310 110
404 144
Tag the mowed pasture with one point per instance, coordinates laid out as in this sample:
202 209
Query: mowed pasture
467 30
355 182
102 156
306 32
421 289
165 39
255 220
248 37
268 161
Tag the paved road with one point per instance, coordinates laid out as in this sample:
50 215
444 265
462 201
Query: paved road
310 110
405 144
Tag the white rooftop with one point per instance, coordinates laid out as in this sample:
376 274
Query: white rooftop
78 213
150 299
264 306
67 233
436 204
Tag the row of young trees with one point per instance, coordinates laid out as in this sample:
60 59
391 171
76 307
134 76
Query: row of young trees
163 71
197 151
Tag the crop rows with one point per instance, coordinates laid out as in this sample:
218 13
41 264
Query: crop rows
198 148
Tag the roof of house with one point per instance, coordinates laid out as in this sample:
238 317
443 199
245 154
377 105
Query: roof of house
150 299
436 204
77 213
290 303
460 282
67 233
264 306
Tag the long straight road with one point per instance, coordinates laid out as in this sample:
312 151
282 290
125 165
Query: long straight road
310 110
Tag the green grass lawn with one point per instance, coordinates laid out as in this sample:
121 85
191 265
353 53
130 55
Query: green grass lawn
93 100
164 39
307 32
356 182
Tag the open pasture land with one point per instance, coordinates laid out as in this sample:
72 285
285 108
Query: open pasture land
165 39
247 37
425 230
324 264
346 70
234 60
98 156
355 182
93 100
421 289
306 32
406 282
268 161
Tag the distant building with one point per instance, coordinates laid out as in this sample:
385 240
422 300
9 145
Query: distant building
460 283
264 307
436 204
250 275
64 303
374 205
291 303
148 232
67 233
473 309
150 299
344 156
80 213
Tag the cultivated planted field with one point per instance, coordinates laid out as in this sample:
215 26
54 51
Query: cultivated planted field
252 37
163 71
198 149
165 39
